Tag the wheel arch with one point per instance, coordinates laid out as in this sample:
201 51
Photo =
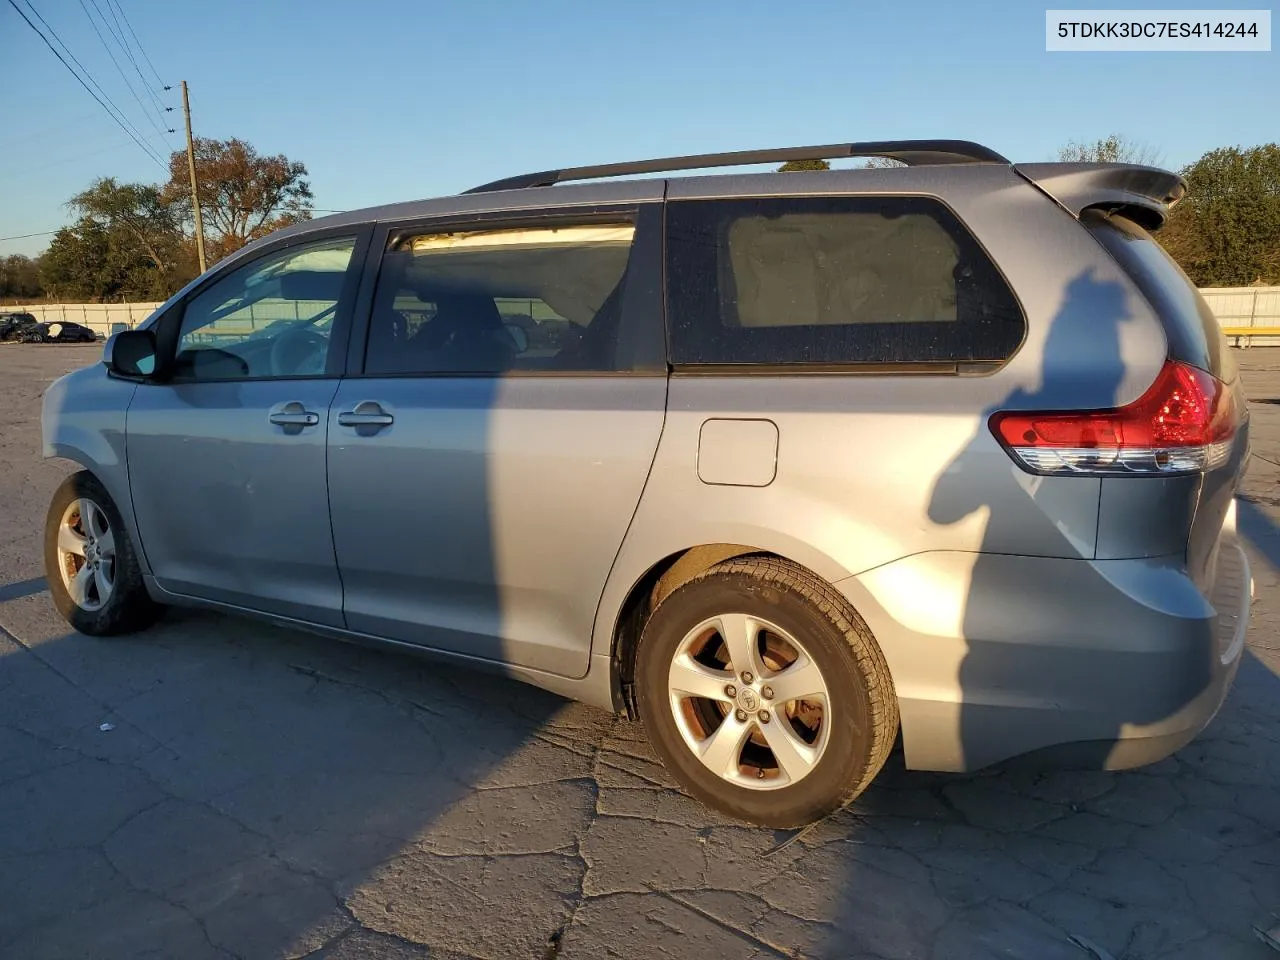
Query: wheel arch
114 479
83 419
659 580
123 603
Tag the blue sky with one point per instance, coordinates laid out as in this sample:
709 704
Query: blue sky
395 101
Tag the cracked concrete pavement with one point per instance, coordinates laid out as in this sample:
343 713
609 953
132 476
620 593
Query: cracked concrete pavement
264 793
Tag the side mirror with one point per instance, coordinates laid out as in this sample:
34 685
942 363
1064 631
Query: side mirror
131 353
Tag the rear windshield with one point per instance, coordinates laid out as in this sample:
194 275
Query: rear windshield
1190 326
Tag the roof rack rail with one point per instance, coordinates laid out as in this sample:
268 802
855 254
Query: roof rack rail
911 152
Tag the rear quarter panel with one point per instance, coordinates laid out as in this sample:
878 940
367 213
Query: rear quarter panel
874 468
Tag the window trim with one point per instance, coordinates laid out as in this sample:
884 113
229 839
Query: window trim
168 328
915 368
643 305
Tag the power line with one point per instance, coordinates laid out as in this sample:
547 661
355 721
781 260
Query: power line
105 23
133 135
128 52
118 35
49 233
27 236
161 109
67 50
119 69
119 31
119 115
61 160
141 49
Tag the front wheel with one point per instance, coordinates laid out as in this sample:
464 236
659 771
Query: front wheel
764 692
90 563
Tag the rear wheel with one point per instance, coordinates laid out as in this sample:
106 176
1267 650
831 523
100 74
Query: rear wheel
765 693
90 563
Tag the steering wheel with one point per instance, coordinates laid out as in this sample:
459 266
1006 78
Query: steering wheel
299 351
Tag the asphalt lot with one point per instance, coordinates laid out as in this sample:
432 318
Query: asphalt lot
263 793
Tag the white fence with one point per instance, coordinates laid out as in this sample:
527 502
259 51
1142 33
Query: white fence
98 317
1248 309
106 318
1240 311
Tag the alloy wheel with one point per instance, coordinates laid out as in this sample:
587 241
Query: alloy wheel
749 701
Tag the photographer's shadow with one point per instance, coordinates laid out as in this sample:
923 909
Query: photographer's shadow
1028 679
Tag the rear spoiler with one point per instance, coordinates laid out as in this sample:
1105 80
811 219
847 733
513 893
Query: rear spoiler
1143 194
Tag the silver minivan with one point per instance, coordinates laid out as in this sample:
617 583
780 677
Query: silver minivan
786 465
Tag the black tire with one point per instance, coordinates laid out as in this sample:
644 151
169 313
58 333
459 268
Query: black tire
864 725
129 607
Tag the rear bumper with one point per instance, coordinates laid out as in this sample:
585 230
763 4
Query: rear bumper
1105 664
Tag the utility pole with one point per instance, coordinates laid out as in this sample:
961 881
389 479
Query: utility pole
191 168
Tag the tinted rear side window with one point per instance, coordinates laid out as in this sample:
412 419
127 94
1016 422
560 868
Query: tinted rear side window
532 298
832 280
1190 326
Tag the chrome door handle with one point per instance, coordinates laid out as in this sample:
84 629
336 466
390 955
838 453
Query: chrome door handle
293 414
368 413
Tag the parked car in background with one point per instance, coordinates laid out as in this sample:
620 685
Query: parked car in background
783 464
59 331
14 325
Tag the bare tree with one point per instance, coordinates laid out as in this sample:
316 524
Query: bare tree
243 195
1110 149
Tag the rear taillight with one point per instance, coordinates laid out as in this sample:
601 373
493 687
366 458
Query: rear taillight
1184 423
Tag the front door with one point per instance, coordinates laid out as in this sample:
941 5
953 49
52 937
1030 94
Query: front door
227 458
484 470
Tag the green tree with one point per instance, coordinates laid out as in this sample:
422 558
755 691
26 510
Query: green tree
129 241
126 242
795 166
1110 149
75 265
140 213
95 261
243 195
1226 231
799 166
19 277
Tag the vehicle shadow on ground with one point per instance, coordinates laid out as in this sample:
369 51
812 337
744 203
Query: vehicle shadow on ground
1176 859
212 787
266 793
23 588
